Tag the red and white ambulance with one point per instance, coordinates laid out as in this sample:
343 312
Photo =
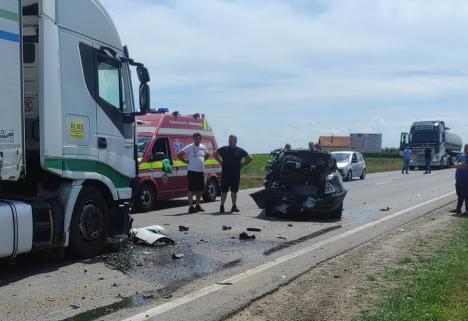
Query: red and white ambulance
162 176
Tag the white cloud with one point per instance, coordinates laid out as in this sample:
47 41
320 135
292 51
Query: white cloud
263 67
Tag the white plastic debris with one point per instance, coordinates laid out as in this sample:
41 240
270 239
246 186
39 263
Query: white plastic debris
309 202
283 208
151 235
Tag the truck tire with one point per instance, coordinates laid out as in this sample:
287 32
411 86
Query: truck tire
211 192
336 214
89 224
146 198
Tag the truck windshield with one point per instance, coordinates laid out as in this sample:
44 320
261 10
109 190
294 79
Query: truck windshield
341 157
142 145
424 137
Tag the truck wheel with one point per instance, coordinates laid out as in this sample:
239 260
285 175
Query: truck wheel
146 197
211 191
90 223
336 214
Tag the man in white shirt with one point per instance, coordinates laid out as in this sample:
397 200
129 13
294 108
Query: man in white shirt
195 156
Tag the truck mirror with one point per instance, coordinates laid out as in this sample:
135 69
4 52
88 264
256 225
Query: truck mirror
143 74
144 99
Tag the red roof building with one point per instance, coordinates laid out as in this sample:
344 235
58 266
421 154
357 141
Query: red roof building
335 143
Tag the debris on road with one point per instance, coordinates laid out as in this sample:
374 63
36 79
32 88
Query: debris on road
224 283
152 235
281 238
254 229
226 228
74 306
183 228
386 209
245 236
177 256
290 225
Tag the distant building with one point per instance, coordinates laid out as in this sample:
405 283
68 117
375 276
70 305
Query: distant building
334 143
366 143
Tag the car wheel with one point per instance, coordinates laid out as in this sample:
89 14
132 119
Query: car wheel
211 191
349 176
146 197
89 226
363 175
336 214
411 168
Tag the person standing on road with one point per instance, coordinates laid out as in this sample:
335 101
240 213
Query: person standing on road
312 146
406 160
461 182
195 156
428 159
231 158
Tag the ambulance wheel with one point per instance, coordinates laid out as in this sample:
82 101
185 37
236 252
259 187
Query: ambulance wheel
146 197
89 224
211 191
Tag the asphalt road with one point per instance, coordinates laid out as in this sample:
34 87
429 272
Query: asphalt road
211 254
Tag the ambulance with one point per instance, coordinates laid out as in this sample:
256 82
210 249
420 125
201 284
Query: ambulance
162 176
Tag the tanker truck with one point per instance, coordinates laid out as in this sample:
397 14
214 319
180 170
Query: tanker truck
67 129
435 135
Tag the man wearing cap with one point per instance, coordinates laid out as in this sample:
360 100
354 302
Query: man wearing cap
195 156
461 182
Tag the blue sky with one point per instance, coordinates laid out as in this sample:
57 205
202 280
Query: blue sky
283 71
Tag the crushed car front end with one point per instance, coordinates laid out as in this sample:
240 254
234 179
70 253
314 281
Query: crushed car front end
302 182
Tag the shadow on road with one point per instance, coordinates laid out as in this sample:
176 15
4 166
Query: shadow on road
34 264
316 217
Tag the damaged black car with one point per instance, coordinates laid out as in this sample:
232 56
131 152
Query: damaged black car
302 182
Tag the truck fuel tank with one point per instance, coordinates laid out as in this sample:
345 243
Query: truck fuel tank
16 228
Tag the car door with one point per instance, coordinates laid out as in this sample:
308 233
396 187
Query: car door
166 182
115 137
355 165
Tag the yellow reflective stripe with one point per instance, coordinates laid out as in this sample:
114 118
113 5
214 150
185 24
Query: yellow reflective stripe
159 165
212 162
152 165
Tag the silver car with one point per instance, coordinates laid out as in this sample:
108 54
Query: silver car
350 164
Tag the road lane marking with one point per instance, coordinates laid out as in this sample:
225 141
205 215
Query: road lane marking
382 183
158 310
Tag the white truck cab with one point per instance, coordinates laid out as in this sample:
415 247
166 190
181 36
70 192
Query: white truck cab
67 130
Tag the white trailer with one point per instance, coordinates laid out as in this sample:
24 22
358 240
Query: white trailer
67 131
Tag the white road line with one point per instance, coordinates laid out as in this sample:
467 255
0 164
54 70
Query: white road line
247 274
382 183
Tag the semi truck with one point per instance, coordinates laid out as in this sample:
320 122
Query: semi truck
435 135
67 129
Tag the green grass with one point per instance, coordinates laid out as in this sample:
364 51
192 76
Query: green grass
433 288
253 174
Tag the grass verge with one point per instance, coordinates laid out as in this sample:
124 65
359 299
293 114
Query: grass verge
427 288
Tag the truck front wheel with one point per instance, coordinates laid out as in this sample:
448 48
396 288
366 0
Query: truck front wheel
90 223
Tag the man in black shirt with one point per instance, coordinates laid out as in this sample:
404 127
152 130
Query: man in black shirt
428 159
231 158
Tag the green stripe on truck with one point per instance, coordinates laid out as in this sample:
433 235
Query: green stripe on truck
9 15
82 165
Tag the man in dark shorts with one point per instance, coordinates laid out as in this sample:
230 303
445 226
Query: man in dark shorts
461 182
195 156
428 159
231 158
